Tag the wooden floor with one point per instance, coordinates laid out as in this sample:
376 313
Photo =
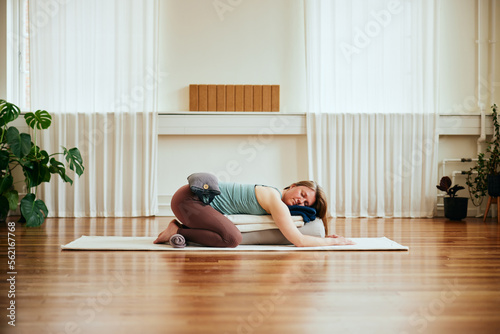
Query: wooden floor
449 282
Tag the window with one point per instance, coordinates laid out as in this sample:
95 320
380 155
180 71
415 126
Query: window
18 60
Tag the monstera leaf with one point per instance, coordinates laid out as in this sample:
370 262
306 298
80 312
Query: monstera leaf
36 172
74 159
4 160
8 112
13 197
9 196
33 210
4 207
6 183
57 167
20 143
41 119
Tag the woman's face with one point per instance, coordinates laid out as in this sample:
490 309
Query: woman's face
299 195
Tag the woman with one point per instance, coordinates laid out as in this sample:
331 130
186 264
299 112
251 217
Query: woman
207 225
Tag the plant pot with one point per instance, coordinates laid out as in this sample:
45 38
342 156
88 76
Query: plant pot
455 208
494 185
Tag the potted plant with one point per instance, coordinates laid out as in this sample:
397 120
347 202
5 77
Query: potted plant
18 151
484 177
455 208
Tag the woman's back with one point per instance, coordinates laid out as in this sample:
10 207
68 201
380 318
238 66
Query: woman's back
237 198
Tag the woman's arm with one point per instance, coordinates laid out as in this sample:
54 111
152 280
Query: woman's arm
270 201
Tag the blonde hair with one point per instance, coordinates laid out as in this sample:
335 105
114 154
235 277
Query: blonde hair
320 204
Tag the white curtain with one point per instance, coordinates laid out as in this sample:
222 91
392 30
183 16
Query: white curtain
94 68
372 116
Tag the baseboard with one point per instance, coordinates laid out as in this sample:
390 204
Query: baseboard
164 205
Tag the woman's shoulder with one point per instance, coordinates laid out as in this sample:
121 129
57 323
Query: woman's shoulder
264 187
266 191
267 197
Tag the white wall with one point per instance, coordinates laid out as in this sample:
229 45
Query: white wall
275 161
464 73
252 42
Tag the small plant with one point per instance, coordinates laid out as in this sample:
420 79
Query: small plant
445 185
488 163
17 150
455 208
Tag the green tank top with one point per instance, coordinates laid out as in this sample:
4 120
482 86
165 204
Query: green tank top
237 198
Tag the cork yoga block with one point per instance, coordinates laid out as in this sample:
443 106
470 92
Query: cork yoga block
250 98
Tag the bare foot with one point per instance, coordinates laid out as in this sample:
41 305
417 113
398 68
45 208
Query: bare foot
164 237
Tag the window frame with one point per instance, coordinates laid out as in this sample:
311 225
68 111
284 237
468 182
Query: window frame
18 53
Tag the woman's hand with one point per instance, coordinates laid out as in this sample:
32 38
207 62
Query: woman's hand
338 241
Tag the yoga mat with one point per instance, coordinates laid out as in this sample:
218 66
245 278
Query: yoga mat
146 243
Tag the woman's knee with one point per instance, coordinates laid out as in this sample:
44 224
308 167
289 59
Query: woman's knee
233 240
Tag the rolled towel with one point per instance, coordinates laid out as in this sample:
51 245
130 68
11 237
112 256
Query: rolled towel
307 213
177 241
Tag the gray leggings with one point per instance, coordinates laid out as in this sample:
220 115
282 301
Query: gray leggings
202 223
